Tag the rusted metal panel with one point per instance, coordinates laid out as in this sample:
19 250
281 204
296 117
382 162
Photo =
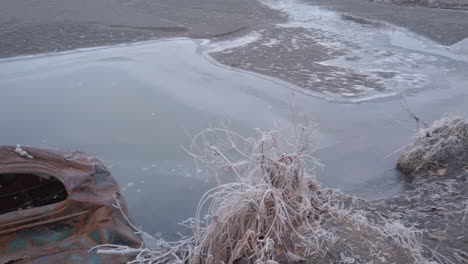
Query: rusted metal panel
64 232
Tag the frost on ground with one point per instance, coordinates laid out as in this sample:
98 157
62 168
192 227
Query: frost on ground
337 56
275 211
442 146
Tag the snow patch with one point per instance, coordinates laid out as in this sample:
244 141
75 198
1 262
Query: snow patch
271 43
223 46
22 152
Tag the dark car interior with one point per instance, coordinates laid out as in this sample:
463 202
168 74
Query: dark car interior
21 191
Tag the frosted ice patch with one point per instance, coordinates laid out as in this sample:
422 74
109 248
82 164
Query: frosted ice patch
271 43
219 46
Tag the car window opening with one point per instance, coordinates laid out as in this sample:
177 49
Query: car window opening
21 191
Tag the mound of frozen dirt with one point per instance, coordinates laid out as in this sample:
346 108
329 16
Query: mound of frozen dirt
438 149
436 201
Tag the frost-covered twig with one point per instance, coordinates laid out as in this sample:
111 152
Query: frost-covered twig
418 120
465 211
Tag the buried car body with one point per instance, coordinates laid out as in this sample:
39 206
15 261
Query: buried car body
57 205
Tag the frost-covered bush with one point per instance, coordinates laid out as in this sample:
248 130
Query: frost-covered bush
275 211
434 148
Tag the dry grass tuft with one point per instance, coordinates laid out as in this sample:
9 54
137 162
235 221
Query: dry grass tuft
275 211
271 207
433 148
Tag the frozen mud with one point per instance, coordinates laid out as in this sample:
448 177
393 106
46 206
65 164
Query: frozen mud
341 57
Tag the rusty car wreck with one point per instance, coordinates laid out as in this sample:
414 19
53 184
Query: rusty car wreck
57 205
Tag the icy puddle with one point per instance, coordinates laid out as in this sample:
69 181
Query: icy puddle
134 106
